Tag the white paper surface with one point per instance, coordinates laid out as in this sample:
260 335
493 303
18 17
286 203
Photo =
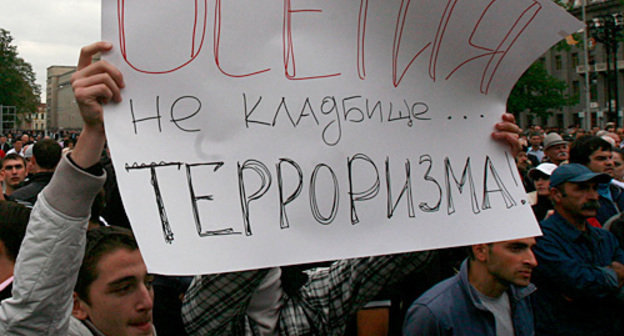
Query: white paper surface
263 133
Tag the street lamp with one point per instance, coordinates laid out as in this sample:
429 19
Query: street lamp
607 29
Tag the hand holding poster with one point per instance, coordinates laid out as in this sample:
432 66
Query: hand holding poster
262 133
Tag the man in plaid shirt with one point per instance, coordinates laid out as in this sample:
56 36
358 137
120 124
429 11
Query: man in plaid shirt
258 302
255 303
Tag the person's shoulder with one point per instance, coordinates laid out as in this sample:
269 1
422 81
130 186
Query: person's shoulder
77 328
617 191
24 191
549 223
551 228
441 294
602 233
433 311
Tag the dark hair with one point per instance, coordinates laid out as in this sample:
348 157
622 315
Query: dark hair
47 153
470 253
100 242
13 221
583 147
12 156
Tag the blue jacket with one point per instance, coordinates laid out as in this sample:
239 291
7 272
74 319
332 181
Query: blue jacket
610 207
577 292
453 308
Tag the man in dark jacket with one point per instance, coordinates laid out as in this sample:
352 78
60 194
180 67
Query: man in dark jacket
580 268
46 155
489 295
596 154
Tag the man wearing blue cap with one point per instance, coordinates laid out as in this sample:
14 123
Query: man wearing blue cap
580 268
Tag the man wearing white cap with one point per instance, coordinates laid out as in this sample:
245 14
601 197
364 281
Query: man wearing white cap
540 198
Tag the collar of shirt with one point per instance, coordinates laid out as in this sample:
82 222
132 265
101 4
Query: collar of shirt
605 191
516 293
6 283
565 229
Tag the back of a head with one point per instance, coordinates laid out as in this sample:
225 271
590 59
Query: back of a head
583 147
13 222
47 153
100 242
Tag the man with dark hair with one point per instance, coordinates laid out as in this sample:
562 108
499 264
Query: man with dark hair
535 152
13 168
13 221
596 154
18 148
46 155
584 149
113 293
581 268
489 295
48 264
618 167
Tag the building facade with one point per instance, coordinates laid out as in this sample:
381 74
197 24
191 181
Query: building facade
62 109
34 121
571 65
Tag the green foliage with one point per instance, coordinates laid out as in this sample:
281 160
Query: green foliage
539 93
17 78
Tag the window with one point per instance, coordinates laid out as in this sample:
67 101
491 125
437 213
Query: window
593 90
575 60
576 88
560 120
558 63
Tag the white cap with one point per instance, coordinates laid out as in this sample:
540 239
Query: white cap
546 168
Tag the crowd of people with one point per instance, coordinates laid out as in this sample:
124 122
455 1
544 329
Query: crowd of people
69 263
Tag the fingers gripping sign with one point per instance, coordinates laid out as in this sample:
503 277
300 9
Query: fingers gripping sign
507 131
95 84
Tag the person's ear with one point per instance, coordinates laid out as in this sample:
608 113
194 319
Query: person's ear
555 195
80 310
480 251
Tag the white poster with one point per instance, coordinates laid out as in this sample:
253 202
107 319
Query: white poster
256 133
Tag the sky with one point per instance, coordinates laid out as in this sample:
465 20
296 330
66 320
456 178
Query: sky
50 32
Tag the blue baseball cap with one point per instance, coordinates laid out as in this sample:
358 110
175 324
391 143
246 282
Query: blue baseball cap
574 172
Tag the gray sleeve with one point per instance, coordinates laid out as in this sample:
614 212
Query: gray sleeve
419 320
50 255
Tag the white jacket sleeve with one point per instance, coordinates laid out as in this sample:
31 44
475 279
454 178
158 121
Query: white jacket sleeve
50 255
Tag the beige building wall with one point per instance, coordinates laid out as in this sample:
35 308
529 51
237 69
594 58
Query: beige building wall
62 110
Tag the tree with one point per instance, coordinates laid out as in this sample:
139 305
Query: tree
539 93
17 78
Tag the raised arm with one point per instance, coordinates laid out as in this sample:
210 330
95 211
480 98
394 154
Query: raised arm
50 255
94 84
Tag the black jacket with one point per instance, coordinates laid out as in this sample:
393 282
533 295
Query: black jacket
28 193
